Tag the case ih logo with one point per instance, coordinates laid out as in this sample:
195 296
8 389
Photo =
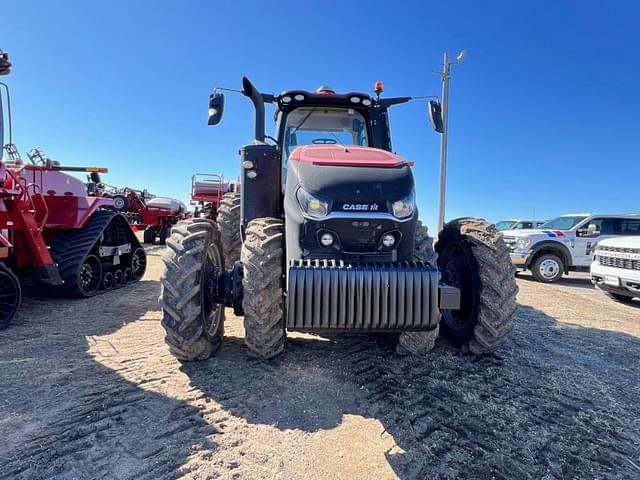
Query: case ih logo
361 207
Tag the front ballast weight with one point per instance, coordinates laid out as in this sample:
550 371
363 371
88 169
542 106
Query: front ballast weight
329 295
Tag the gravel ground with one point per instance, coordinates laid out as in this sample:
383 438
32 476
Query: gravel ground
89 390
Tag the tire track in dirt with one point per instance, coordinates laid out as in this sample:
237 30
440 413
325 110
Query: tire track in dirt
98 396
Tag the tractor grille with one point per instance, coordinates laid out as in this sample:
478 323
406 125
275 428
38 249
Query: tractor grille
331 295
619 257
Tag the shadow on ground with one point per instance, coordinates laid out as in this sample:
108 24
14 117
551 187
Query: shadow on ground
64 415
560 401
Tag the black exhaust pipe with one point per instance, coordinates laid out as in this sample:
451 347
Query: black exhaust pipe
258 102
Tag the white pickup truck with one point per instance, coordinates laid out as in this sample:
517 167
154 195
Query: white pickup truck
566 243
616 267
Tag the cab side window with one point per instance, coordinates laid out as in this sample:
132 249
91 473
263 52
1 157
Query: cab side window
627 226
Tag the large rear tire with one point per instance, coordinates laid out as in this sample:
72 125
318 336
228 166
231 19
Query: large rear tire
263 300
194 325
10 295
473 257
420 343
229 225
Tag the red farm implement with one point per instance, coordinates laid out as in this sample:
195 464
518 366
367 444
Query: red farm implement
52 230
70 243
154 215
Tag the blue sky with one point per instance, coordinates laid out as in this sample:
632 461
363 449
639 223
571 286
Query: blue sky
544 110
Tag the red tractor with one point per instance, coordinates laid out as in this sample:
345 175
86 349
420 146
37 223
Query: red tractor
332 241
51 229
219 200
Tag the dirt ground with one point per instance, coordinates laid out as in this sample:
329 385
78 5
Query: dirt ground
89 390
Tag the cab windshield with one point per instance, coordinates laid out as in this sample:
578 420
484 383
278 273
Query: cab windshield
563 223
323 126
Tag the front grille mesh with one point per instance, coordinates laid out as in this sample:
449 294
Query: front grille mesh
619 262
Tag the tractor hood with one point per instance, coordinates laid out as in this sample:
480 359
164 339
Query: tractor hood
345 156
350 179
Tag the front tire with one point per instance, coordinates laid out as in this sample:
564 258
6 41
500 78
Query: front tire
10 295
194 325
420 343
547 268
229 225
473 257
263 300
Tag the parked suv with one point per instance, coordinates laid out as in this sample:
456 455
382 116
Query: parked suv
566 243
616 267
517 224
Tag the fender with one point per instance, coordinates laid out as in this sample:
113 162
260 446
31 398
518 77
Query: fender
565 253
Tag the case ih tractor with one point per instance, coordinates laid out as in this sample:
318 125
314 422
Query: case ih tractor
219 200
331 242
51 230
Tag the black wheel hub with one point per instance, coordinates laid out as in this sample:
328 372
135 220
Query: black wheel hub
457 268
212 308
90 275
138 263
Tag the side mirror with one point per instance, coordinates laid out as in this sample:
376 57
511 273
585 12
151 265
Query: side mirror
435 116
216 108
5 64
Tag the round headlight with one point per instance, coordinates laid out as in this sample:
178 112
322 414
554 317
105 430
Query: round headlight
366 102
299 97
388 240
247 164
286 99
326 239
252 174
355 99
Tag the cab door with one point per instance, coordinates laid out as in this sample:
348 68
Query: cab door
587 237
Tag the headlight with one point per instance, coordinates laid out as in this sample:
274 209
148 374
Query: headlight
404 208
523 243
312 206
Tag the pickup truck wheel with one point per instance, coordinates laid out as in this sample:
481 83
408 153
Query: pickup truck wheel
547 268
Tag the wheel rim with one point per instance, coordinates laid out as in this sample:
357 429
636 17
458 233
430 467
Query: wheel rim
118 203
107 281
549 268
457 268
138 263
211 312
9 296
127 275
118 278
90 275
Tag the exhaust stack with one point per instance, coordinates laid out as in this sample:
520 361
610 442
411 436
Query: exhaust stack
258 102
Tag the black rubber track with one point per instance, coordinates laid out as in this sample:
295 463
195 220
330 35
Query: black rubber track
182 296
70 247
494 278
229 225
420 343
263 302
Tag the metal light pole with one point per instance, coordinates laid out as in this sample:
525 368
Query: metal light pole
445 74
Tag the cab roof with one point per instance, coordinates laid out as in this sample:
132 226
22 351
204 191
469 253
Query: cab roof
324 96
